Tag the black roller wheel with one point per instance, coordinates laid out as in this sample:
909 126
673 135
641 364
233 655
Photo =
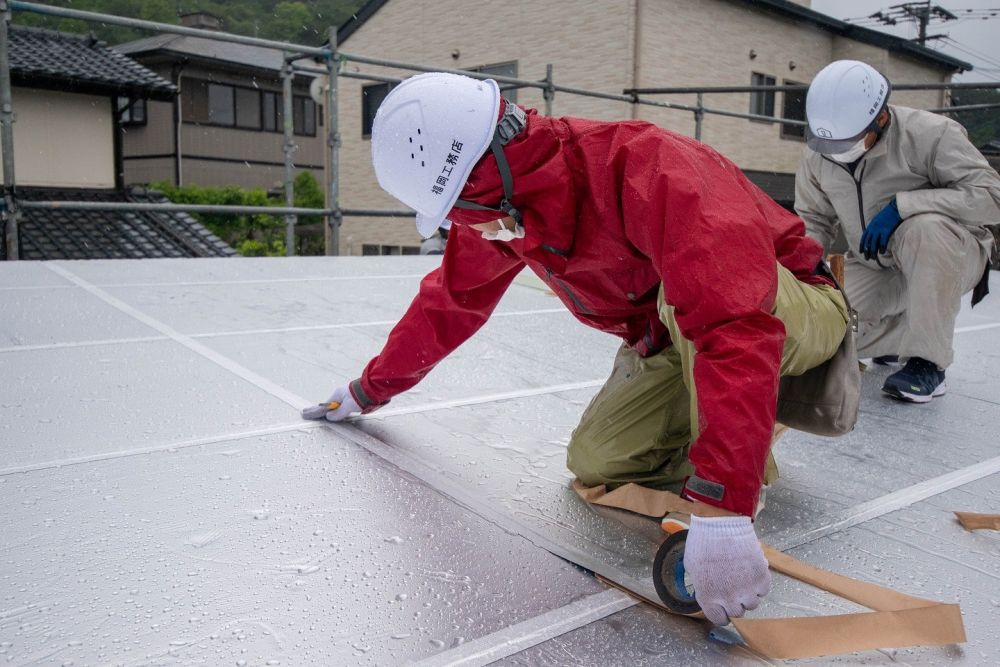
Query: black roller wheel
669 577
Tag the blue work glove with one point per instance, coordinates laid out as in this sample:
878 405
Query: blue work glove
877 233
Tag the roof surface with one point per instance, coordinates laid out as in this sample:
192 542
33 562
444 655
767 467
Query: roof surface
784 8
69 234
237 56
164 504
62 61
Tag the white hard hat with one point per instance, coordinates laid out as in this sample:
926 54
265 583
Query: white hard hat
842 103
427 135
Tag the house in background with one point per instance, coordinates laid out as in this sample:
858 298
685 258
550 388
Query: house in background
67 146
610 46
225 125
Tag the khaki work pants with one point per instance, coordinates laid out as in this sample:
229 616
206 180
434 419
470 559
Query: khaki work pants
640 425
909 308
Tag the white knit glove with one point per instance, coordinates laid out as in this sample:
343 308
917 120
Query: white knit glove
341 395
726 566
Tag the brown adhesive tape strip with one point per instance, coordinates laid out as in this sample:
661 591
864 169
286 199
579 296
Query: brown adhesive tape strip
976 521
897 619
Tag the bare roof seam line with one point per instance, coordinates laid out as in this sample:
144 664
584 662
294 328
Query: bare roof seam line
240 332
153 449
221 360
221 283
896 500
293 426
314 327
479 400
531 632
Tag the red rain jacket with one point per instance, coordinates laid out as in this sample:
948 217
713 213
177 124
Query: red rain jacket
611 210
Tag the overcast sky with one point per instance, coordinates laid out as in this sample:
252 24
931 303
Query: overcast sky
978 41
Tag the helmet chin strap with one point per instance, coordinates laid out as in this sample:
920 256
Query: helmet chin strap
512 124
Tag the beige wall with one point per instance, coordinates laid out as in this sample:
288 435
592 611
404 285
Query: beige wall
604 46
588 44
717 43
63 139
898 69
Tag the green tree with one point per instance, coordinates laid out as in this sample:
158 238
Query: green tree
285 20
255 235
983 124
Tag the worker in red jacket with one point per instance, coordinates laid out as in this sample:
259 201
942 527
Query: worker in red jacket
647 235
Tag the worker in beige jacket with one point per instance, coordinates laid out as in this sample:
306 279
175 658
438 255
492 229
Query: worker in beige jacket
911 195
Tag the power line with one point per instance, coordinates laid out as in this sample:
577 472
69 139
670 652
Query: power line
988 59
923 14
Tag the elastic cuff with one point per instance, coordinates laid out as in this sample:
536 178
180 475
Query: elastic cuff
361 398
712 493
723 526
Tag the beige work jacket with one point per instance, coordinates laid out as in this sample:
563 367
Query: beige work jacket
923 159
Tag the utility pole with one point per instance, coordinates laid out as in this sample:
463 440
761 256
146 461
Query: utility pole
921 13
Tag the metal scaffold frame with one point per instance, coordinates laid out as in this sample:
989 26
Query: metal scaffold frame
335 61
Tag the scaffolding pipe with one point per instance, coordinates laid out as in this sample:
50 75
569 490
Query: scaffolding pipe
370 77
141 24
699 116
171 208
10 213
548 93
331 235
966 107
288 148
373 213
521 83
790 88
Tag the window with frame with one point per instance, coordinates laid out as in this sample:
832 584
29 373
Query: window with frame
131 111
762 101
793 107
248 108
221 105
272 111
304 115
508 69
245 108
371 98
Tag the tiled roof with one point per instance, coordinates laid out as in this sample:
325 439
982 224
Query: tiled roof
68 234
79 63
235 56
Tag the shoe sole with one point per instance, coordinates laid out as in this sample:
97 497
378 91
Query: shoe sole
901 395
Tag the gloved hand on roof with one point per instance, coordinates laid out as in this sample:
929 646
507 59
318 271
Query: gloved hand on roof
336 408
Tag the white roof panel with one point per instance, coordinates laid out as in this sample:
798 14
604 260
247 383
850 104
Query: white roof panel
165 504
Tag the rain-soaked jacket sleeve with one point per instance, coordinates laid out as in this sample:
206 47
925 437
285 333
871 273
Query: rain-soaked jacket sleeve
813 206
454 301
966 188
709 237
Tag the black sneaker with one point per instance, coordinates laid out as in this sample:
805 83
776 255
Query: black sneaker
917 382
886 360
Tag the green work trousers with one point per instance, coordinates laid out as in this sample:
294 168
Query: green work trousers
640 425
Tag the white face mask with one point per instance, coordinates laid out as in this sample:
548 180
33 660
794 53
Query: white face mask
505 234
851 154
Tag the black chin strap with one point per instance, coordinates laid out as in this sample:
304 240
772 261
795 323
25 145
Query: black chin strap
513 123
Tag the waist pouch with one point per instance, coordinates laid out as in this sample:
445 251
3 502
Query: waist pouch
824 400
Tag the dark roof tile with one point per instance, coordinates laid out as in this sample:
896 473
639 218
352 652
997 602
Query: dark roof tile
50 59
69 234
